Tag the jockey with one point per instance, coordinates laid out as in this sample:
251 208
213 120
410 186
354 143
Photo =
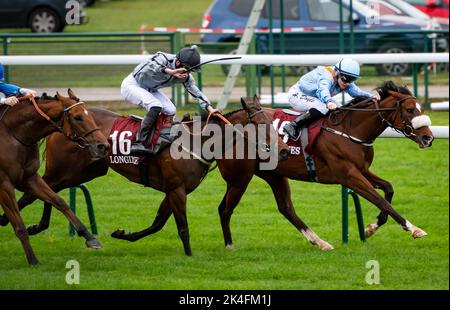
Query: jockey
314 91
142 86
12 91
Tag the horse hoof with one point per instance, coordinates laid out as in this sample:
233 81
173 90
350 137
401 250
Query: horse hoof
229 247
3 221
118 234
325 246
370 230
418 233
33 229
93 244
34 262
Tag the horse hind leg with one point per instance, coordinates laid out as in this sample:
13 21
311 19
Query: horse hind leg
160 220
388 190
11 209
281 190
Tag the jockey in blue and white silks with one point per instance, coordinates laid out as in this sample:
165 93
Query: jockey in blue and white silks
314 91
12 91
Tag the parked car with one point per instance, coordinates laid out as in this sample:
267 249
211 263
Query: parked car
225 14
435 8
38 15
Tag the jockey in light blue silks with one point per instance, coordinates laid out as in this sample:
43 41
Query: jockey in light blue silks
314 91
142 87
12 91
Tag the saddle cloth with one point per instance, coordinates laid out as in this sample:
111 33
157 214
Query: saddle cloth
124 131
282 117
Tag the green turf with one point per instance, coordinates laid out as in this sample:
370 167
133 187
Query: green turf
269 253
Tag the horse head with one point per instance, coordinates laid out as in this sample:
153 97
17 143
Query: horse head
79 126
257 116
407 116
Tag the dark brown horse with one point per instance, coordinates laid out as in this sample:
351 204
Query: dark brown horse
21 128
342 153
175 177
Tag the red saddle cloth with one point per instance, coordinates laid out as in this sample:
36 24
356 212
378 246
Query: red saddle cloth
281 118
126 128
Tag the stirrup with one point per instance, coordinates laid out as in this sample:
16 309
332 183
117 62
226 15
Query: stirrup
140 149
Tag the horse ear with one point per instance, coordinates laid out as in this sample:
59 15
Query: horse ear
58 96
256 101
71 93
244 103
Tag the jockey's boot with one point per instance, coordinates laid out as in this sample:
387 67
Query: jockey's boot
139 145
301 121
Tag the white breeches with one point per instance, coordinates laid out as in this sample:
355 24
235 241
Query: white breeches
302 103
137 95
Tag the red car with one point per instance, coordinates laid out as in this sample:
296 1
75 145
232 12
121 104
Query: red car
434 8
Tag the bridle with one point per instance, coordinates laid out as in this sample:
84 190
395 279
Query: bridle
407 129
70 134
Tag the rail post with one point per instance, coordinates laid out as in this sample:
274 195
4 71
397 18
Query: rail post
90 208
359 216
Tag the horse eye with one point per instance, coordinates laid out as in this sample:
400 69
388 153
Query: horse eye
410 110
78 118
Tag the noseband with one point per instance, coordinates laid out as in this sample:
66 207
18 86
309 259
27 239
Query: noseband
80 140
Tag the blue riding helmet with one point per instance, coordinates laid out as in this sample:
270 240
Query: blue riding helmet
348 69
2 77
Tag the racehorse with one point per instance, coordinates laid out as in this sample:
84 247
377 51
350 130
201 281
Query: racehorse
175 177
22 126
343 153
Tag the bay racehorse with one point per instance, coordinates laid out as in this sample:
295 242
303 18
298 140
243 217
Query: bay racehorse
175 177
22 126
342 153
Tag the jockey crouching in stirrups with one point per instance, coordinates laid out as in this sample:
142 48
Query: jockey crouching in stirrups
314 91
142 86
12 91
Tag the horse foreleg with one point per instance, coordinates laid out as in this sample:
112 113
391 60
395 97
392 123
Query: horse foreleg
388 190
24 201
9 204
230 200
282 192
160 220
38 187
176 199
357 182
44 223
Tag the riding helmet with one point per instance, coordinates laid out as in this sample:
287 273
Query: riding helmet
348 66
189 57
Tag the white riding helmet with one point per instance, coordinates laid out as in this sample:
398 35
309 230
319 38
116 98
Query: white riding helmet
349 67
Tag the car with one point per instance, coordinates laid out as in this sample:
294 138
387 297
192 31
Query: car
38 15
313 15
434 8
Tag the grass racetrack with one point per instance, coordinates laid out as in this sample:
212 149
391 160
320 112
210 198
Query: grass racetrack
269 253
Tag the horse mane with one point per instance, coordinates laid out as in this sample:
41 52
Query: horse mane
44 96
204 115
387 86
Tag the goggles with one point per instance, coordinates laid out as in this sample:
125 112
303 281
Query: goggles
347 78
